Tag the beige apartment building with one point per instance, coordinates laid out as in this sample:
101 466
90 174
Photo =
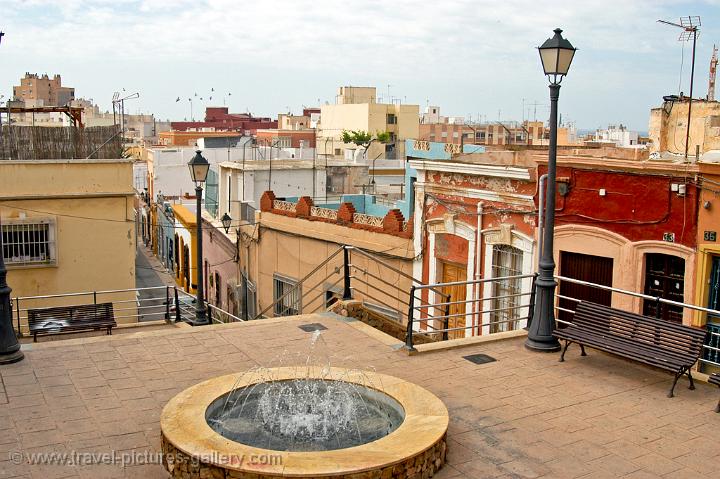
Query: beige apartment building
285 244
41 90
68 227
356 108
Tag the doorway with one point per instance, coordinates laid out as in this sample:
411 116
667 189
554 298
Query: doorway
453 273
584 267
664 278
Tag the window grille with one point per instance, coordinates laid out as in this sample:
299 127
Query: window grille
29 243
506 261
289 291
713 341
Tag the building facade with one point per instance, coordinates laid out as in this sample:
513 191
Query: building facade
41 90
357 109
68 226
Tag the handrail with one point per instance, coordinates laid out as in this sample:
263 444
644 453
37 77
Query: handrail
639 295
475 281
86 293
392 268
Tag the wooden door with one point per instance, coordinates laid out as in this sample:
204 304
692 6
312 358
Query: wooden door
585 267
450 274
664 278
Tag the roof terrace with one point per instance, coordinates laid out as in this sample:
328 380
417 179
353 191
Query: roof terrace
522 415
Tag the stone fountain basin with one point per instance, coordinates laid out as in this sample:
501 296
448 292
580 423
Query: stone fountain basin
191 446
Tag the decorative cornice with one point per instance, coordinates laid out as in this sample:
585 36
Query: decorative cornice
509 172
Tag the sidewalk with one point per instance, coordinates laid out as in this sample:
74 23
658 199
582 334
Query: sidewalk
149 273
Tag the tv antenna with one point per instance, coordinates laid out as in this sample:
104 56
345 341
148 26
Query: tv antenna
713 71
690 26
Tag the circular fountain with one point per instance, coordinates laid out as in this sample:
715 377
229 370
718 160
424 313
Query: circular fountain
304 422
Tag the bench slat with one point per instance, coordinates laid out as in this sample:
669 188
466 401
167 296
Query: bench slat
685 349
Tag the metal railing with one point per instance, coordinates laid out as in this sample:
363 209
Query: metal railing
480 315
130 305
357 274
711 348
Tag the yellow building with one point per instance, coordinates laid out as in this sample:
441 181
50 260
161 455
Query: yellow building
668 127
356 108
68 227
186 247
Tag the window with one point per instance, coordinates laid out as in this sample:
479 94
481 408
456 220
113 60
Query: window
337 151
506 262
218 291
286 296
444 134
391 119
247 298
27 243
456 134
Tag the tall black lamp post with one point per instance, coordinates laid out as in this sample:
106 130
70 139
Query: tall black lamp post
556 55
199 167
9 345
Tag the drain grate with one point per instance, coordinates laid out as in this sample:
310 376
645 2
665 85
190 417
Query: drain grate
309 328
480 358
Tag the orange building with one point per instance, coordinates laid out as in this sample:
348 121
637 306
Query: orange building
286 138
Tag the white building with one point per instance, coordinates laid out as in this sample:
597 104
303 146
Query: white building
168 171
619 136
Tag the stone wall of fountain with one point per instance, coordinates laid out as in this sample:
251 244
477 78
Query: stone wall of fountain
307 420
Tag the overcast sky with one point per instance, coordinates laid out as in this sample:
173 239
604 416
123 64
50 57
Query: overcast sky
472 57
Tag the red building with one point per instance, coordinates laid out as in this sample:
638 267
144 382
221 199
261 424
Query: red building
476 220
630 224
220 119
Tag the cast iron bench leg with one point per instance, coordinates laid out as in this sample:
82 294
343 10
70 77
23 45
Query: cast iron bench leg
582 348
677 376
692 384
717 408
562 356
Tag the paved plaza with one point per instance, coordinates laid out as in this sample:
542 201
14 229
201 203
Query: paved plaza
525 415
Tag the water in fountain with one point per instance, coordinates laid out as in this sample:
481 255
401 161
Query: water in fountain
320 411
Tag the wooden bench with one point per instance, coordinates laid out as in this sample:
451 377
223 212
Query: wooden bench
715 379
71 319
662 344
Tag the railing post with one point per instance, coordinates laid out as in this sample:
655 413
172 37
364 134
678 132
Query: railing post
17 310
531 306
167 303
178 318
411 312
446 323
95 297
347 292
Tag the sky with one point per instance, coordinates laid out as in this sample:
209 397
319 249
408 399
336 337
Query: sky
474 58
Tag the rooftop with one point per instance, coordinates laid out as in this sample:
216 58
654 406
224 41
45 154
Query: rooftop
524 415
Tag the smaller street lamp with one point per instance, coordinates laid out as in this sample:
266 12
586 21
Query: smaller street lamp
226 222
199 167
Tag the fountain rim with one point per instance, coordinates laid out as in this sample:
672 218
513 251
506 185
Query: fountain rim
183 424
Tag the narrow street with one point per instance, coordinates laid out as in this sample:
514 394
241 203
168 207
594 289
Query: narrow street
149 272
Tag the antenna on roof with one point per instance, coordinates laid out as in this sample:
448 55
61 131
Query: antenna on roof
690 26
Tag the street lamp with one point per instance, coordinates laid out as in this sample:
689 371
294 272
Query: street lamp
9 345
556 55
226 222
199 167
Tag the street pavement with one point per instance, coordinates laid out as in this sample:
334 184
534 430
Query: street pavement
149 273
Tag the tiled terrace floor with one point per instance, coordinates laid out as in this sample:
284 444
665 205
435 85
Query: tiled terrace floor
525 415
